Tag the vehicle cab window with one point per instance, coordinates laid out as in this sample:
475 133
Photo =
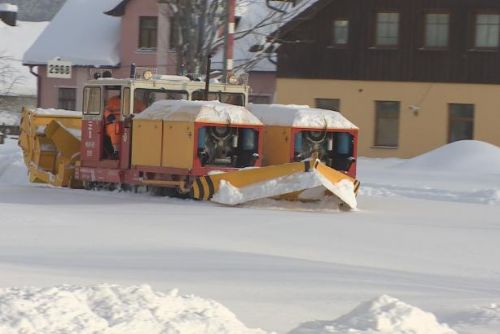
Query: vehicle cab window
229 98
92 100
143 98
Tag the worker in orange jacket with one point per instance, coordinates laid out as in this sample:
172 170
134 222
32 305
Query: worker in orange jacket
111 119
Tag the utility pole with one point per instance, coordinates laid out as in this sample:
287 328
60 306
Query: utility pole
229 38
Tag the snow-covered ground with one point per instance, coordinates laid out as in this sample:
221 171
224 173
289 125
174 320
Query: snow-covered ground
420 256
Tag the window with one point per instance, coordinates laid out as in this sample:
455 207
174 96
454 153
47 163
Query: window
92 100
143 98
229 98
172 41
67 99
340 32
259 99
329 104
148 27
436 30
487 30
387 123
387 29
461 122
126 101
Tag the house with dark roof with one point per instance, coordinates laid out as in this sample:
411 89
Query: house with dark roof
413 75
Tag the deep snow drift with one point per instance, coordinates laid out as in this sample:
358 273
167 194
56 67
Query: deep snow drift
111 309
428 238
383 315
458 157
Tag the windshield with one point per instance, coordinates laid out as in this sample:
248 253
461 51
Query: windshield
143 98
236 99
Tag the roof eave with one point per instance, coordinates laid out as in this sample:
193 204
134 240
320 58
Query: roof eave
118 10
305 15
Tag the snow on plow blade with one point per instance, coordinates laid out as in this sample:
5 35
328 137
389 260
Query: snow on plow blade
50 145
306 180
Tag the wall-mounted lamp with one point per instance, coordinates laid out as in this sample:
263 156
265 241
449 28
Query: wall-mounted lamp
414 109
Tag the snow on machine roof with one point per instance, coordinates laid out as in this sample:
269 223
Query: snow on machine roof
300 116
57 112
199 111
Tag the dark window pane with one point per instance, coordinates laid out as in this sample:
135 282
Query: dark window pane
387 123
143 98
259 99
329 104
387 29
67 99
487 30
461 122
148 27
436 30
340 32
173 34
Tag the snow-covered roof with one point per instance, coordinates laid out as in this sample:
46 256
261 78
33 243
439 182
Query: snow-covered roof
15 79
80 33
300 116
7 7
57 112
255 13
199 111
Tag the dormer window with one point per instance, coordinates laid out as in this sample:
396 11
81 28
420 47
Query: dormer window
148 32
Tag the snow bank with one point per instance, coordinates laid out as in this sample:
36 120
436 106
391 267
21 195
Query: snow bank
80 33
16 78
383 315
12 168
300 116
112 309
481 319
198 111
9 118
462 156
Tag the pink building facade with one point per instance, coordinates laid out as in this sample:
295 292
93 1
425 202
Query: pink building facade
126 26
111 35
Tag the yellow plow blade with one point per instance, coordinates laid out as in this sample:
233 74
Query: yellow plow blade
50 147
289 181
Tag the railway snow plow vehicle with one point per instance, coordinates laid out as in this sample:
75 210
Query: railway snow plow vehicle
172 135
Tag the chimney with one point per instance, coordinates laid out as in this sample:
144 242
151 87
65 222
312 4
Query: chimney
8 13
